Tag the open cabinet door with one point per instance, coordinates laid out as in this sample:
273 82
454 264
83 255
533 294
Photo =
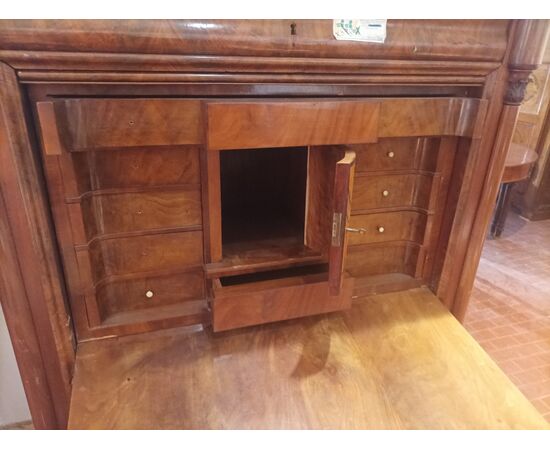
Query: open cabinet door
343 186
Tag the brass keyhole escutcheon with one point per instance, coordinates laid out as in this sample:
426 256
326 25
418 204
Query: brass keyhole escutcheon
391 154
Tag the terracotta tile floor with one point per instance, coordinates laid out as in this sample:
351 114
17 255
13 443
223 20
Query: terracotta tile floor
509 311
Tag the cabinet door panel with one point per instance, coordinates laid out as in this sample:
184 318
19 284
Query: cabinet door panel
343 186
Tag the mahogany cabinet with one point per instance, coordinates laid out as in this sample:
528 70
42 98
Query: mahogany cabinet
174 210
241 174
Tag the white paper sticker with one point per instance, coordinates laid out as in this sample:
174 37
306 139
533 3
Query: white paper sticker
367 30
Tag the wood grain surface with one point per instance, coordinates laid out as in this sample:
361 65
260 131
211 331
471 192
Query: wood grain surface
393 361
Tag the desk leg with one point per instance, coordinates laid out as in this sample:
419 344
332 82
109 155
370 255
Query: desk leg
501 209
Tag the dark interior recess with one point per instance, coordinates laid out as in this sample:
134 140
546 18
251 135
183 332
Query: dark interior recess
263 194
302 271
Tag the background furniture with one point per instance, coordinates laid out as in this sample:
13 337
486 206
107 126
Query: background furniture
532 196
518 164
224 174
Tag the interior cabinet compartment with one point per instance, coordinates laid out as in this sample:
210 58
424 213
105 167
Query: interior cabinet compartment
283 213
269 215
270 296
263 197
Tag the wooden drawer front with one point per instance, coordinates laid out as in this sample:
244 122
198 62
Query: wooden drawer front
241 125
385 191
397 154
135 168
385 227
156 252
127 212
275 300
376 259
110 123
123 295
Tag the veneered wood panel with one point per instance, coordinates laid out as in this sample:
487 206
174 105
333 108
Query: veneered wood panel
429 117
137 168
392 361
271 301
154 252
386 191
149 292
108 123
241 125
141 211
387 154
383 258
407 40
32 288
343 188
388 226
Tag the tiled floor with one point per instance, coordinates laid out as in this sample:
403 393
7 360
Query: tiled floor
509 312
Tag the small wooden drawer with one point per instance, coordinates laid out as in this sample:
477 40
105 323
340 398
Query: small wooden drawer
86 124
386 227
123 295
386 191
141 211
146 253
397 154
253 299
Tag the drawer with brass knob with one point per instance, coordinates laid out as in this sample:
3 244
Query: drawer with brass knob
385 227
397 154
387 191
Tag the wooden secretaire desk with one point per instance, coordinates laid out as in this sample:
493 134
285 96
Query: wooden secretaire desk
219 175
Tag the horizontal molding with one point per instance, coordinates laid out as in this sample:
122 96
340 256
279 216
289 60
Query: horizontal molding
455 77
141 63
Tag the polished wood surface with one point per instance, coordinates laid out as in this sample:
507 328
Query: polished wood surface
32 287
519 161
287 124
341 209
392 361
463 40
124 126
280 298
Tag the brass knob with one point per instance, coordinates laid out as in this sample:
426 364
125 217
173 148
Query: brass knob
391 154
381 229
149 294
385 193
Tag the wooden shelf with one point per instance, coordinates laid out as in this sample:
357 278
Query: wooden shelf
256 256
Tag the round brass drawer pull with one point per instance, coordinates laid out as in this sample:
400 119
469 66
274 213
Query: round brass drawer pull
149 294
385 193
381 229
391 154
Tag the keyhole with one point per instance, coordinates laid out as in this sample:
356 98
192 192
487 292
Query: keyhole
293 29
